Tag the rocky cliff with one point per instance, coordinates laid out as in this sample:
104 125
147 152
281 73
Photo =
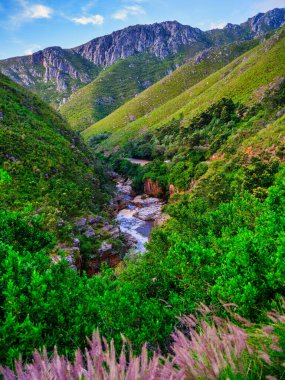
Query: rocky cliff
55 73
159 39
166 38
264 22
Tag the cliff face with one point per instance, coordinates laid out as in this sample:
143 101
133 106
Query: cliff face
169 37
55 73
153 189
264 22
159 39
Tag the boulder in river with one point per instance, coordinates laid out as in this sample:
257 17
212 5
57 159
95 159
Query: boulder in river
125 186
144 201
119 202
151 212
149 208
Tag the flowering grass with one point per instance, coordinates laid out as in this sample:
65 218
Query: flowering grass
214 348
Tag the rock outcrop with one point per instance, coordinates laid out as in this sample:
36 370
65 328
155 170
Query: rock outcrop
160 39
56 70
264 22
153 188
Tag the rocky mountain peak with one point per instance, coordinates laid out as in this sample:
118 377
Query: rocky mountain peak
160 39
263 22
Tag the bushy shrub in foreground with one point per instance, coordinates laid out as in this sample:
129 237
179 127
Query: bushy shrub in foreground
212 349
234 253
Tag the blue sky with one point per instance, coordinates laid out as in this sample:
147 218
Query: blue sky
30 25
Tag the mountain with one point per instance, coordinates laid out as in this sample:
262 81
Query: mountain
177 82
55 73
252 28
244 80
52 73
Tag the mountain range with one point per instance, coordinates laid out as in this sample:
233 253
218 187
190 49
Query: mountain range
55 73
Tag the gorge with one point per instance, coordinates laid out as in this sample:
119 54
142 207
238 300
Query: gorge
147 212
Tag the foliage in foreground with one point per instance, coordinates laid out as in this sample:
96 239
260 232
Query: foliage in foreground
212 349
234 253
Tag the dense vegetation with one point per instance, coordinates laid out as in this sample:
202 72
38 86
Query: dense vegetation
213 349
192 259
226 149
51 169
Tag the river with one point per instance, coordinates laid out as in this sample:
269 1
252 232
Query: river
138 214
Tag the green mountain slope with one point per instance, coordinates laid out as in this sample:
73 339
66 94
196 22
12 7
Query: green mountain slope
202 65
244 80
51 168
114 86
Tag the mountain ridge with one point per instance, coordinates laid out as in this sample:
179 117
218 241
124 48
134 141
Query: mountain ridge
55 73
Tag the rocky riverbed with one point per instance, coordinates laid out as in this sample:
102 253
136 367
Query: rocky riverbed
136 215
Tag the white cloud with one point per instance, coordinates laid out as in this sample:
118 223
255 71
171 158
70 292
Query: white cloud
31 49
217 25
30 12
267 5
95 20
38 11
88 6
131 10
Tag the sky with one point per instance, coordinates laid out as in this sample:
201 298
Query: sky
27 26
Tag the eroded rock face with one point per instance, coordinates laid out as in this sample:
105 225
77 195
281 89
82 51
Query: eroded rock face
52 65
263 22
152 188
161 39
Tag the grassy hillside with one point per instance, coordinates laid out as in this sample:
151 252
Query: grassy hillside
180 80
244 80
51 169
115 86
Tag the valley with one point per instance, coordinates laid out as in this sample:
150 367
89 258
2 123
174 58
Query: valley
142 199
